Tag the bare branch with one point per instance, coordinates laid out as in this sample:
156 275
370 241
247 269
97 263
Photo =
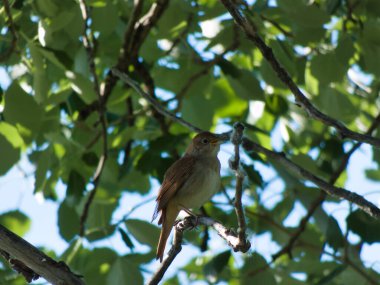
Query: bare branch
332 190
251 32
12 29
236 139
32 263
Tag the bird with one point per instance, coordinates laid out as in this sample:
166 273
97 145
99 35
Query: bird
188 183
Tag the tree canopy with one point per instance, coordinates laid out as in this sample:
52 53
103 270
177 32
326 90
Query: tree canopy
97 89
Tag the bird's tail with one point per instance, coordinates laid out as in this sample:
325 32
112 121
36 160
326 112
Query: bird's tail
168 216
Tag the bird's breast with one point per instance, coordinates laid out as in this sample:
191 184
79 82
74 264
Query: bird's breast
200 187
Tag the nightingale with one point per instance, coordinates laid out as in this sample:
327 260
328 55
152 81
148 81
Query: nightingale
188 183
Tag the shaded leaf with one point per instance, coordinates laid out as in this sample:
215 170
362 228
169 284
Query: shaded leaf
124 272
365 226
215 266
334 235
143 231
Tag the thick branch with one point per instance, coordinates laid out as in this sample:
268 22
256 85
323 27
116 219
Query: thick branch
331 190
251 32
23 256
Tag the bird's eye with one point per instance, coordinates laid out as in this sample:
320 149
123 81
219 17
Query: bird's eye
205 141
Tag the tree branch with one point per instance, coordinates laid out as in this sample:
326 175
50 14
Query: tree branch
132 42
249 145
287 249
191 222
331 190
251 32
32 263
236 139
173 252
88 43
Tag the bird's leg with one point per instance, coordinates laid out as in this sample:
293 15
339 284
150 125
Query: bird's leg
192 214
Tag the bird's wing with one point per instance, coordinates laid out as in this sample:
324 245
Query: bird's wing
175 177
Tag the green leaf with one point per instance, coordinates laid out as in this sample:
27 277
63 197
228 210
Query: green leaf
327 68
277 105
253 175
143 231
215 266
68 220
332 275
10 144
16 222
76 185
197 109
334 235
100 214
135 181
254 263
94 265
124 272
104 18
11 134
336 104
245 85
126 239
365 226
43 162
83 86
22 111
40 82
373 174
224 101
283 208
309 16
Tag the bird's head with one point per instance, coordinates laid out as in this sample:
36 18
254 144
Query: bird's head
206 143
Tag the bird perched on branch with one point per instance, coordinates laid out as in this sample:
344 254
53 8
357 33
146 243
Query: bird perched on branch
189 183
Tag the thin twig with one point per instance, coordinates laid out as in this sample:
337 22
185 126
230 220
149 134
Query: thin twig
236 139
88 42
12 29
153 101
251 32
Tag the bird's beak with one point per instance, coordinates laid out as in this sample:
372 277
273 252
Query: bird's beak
222 138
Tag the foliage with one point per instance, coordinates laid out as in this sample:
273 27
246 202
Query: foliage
201 66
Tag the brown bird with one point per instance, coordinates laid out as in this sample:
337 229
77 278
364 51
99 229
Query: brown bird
188 183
